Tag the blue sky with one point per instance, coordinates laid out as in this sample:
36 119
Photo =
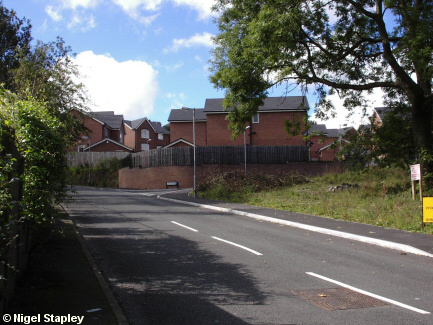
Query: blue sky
139 58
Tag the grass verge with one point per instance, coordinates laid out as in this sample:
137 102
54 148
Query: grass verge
380 197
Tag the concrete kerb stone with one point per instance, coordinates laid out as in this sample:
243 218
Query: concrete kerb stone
368 240
115 307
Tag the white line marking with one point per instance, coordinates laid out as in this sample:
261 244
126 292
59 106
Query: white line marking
237 245
369 294
364 239
179 224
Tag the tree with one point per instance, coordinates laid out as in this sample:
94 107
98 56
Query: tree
47 74
15 34
386 144
345 46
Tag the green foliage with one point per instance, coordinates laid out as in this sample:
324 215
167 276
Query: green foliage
40 140
47 74
15 36
388 144
382 197
104 174
363 46
227 185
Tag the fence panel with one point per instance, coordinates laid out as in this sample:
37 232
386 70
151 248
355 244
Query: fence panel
84 158
223 155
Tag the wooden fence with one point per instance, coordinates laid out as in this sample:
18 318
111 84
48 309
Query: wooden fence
224 155
93 158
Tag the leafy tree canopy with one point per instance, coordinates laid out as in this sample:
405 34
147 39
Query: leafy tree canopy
345 46
15 34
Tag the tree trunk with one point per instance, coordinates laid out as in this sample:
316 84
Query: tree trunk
422 134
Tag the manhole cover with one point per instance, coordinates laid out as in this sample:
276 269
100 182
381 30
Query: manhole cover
338 299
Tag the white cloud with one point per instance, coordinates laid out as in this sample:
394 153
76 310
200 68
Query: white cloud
134 5
204 39
81 22
133 8
53 13
129 88
341 119
203 7
74 4
174 67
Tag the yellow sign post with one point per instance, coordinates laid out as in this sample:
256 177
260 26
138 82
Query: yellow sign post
427 209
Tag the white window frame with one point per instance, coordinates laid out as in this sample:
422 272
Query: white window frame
145 147
145 134
160 136
256 118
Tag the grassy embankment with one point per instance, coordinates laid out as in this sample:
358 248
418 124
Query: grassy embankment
104 174
383 196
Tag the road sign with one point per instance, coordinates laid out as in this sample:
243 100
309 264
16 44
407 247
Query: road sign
427 209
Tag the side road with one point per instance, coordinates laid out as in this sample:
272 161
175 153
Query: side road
403 241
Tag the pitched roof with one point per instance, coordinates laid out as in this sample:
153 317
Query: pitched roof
330 133
112 121
289 103
156 126
331 144
179 141
108 140
381 111
180 115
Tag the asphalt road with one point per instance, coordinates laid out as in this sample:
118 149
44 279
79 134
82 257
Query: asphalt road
169 263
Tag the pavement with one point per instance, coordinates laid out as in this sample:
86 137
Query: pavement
62 279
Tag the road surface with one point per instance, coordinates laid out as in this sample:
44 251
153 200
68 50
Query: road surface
169 263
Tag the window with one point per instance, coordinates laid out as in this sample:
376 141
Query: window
160 136
158 147
144 146
256 118
145 134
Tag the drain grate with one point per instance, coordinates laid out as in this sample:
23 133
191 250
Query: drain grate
338 299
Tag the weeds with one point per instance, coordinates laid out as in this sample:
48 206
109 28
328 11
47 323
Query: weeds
382 197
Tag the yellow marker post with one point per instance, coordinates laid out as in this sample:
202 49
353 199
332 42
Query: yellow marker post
427 209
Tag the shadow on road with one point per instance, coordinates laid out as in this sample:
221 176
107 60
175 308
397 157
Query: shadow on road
159 278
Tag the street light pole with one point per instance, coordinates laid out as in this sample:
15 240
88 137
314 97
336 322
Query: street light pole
245 149
195 164
194 144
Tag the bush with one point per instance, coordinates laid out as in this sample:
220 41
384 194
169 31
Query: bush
231 182
104 174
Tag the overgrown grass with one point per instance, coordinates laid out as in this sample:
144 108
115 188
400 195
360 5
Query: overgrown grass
104 174
382 197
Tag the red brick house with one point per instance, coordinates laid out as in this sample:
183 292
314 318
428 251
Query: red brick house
181 127
143 134
326 143
106 133
266 128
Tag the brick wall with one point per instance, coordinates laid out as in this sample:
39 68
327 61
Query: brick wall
129 137
95 133
156 177
184 130
268 132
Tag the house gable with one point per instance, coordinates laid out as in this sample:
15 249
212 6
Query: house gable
107 145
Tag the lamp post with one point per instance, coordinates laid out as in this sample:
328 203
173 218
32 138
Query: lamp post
245 149
193 136
90 141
